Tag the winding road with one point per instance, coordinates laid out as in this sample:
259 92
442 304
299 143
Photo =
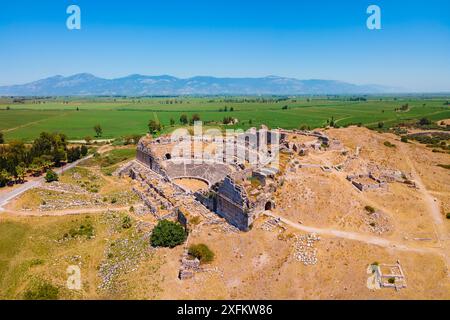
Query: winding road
5 197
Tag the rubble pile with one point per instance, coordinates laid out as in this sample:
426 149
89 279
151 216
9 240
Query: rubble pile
64 187
271 224
304 249
122 256
377 222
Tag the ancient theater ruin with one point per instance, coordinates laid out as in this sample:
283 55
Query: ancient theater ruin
233 176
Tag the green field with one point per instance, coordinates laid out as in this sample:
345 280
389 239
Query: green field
121 116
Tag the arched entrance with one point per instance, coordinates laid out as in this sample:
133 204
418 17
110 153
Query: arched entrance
268 206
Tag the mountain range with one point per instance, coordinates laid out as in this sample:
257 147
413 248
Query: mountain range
85 84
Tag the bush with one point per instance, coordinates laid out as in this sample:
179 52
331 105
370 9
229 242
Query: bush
167 234
404 139
389 145
369 209
201 252
195 220
126 222
51 176
424 122
448 215
84 230
42 291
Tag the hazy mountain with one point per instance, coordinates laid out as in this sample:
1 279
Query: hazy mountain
85 84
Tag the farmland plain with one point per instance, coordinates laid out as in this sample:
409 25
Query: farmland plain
76 117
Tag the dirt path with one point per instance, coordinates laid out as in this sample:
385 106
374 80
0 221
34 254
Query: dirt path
67 212
373 240
434 208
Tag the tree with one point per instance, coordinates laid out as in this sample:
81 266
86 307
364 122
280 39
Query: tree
51 176
228 120
195 117
73 154
154 126
98 130
53 145
20 172
88 139
424 122
168 234
2 139
332 122
172 122
83 150
183 119
231 109
5 177
380 125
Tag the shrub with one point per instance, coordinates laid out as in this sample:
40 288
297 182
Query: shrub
391 280
36 262
424 122
86 230
167 234
126 222
84 150
369 209
201 252
448 215
389 145
195 220
404 139
51 176
42 291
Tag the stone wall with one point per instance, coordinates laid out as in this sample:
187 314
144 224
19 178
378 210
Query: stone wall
233 204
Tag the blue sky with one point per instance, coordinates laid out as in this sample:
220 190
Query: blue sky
317 39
